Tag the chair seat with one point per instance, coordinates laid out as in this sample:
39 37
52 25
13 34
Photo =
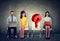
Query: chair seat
44 29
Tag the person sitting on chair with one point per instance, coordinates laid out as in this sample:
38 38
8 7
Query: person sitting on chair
23 23
11 22
47 24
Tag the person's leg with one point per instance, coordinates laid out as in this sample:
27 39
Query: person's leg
9 31
22 32
46 31
15 31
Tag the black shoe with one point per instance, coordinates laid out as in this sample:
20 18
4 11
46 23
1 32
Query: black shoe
21 37
9 36
48 38
15 36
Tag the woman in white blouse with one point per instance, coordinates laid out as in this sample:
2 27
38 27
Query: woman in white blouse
47 24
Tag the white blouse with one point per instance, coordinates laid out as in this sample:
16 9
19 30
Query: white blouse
47 19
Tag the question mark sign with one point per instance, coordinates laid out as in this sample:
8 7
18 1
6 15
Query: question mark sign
36 18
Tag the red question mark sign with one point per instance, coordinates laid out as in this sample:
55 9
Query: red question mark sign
36 18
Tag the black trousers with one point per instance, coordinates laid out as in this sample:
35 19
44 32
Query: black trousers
9 31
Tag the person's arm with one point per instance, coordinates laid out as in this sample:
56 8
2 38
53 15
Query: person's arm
20 23
50 21
26 22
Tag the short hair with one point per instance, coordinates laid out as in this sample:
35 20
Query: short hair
11 11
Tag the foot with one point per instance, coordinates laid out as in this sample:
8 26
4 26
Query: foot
48 38
8 36
15 36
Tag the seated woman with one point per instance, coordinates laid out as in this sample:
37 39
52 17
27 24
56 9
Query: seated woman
47 24
23 23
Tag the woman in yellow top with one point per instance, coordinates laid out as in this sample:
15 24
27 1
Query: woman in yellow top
23 23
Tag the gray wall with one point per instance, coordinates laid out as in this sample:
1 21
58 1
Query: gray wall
31 7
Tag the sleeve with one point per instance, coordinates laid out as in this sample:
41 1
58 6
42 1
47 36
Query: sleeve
26 23
43 20
51 20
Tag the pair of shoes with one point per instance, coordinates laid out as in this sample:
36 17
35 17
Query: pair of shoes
22 37
48 38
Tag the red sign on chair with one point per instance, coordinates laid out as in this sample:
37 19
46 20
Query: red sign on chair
36 18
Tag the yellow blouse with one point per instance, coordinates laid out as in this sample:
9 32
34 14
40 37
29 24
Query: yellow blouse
23 22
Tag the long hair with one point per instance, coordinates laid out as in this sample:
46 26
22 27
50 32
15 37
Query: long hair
46 13
22 12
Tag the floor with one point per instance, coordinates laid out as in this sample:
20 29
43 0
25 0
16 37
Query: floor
35 37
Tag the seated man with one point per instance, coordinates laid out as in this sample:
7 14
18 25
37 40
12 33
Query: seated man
11 21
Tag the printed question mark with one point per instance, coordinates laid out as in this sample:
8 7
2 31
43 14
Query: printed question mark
36 18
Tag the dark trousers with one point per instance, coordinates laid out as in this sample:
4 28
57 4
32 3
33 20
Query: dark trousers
9 31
